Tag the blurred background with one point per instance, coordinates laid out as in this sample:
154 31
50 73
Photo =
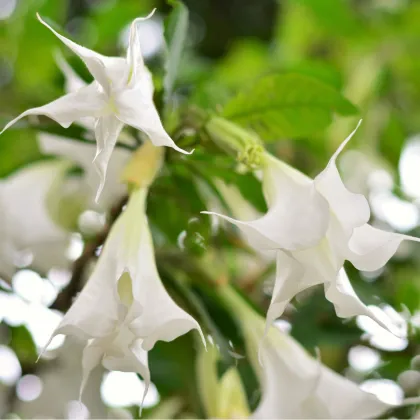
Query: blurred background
367 49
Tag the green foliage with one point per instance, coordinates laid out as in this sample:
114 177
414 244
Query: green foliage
287 105
23 345
18 148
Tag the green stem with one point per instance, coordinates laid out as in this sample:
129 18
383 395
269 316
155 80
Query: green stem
198 306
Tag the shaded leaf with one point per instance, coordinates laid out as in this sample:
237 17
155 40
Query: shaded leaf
23 345
18 148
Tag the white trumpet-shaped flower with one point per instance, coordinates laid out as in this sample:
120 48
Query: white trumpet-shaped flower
26 224
314 226
294 385
124 308
122 93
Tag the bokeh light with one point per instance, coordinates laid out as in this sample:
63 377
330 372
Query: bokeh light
29 388
363 359
124 389
10 369
7 7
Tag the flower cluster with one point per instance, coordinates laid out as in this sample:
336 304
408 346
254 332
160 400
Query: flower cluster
312 226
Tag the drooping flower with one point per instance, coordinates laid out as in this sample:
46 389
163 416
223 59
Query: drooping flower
314 226
122 93
124 308
27 225
295 385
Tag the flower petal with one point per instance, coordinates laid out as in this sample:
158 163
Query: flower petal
288 284
298 215
23 197
295 385
132 359
83 154
73 82
134 56
96 311
287 377
107 130
351 209
347 304
93 61
357 404
26 221
136 109
161 318
86 102
92 356
370 248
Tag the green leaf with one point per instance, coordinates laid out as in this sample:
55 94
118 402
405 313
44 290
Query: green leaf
319 70
18 148
23 345
392 140
287 104
176 28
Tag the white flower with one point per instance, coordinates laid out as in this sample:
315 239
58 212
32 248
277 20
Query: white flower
72 83
124 308
315 225
26 224
294 384
82 154
122 93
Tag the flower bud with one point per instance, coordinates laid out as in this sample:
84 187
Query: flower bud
224 397
143 166
415 363
230 136
409 382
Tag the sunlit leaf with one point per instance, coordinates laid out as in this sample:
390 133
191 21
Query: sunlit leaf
287 105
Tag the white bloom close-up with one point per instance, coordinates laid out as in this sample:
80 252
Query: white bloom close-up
122 93
295 385
124 308
315 225
27 225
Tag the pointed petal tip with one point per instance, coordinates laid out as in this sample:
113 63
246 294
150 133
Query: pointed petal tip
38 16
178 149
98 193
146 389
44 349
142 18
203 339
344 143
391 328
